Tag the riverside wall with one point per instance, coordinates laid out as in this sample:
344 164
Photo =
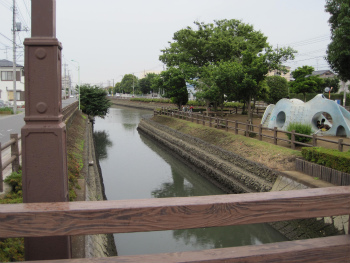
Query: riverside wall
102 245
234 174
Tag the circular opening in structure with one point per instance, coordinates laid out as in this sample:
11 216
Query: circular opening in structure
280 119
318 118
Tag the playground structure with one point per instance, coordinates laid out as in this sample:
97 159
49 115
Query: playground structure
288 111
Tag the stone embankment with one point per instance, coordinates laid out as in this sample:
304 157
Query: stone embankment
92 189
234 174
225 169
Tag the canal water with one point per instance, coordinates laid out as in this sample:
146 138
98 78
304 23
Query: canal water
134 167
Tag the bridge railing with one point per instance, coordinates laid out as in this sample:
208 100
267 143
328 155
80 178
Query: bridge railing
15 149
126 216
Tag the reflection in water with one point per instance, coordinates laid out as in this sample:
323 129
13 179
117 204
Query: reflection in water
136 167
101 143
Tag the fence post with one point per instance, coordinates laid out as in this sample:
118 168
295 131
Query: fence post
314 140
247 129
236 127
275 135
203 119
209 121
260 132
293 140
226 124
1 182
217 122
340 145
15 152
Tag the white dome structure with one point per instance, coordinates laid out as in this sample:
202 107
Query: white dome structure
288 111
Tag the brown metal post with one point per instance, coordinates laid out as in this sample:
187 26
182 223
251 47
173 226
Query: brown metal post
44 134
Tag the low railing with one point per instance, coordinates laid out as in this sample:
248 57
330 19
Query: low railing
247 129
13 159
14 144
126 216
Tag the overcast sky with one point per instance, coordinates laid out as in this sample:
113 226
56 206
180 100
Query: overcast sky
110 38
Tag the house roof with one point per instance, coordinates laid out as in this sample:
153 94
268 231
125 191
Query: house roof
321 72
6 63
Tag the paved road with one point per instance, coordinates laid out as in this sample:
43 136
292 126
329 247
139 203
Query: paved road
14 123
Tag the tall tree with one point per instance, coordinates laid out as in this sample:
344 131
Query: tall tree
93 101
277 88
201 50
145 83
129 83
304 81
173 82
338 52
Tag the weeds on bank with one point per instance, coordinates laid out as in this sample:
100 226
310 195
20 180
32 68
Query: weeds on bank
12 249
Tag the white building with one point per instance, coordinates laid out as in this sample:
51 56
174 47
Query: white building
6 82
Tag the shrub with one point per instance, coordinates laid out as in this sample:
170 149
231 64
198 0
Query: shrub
7 109
331 158
300 128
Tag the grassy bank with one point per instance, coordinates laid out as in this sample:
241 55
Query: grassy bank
275 157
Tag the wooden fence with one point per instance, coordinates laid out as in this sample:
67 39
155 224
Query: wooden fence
15 153
247 129
13 159
126 216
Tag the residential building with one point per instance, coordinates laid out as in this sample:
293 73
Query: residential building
276 72
6 82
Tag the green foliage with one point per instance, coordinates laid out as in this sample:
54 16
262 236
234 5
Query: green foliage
331 158
145 84
151 100
330 82
11 249
299 128
224 58
304 82
7 109
278 89
173 82
129 84
338 52
93 101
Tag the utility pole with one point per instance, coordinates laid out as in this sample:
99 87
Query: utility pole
14 75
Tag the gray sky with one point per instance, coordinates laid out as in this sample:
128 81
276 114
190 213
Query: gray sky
110 38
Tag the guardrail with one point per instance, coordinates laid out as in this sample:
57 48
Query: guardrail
126 216
14 158
14 144
247 129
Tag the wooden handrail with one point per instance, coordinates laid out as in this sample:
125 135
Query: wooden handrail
318 250
124 216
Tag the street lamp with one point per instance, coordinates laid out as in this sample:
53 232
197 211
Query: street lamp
78 79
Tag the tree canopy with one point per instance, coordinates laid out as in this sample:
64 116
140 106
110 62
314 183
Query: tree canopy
338 52
129 83
93 101
224 58
173 83
277 88
304 81
145 83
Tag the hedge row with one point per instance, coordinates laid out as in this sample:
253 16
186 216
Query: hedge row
334 159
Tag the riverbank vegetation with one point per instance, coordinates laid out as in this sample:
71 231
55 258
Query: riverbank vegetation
275 157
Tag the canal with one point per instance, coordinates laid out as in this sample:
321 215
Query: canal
133 167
